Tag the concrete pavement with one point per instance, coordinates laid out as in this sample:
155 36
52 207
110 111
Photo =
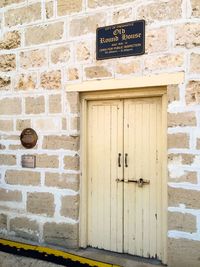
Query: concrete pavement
9 260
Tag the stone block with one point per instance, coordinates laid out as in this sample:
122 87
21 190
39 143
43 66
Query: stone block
4 3
194 63
181 119
2 147
5 82
71 162
198 143
22 124
7 62
73 102
3 221
47 161
187 35
178 140
25 228
6 125
47 124
62 180
67 7
44 33
188 177
41 203
55 104
60 54
73 74
15 147
23 15
15 177
70 207
75 123
100 3
7 160
185 159
156 40
83 51
64 124
158 11
34 105
190 198
127 68
96 72
51 80
33 58
49 9
121 15
182 222
25 81
193 93
10 106
173 93
10 137
183 252
62 234
61 142
86 24
195 8
10 40
164 62
10 195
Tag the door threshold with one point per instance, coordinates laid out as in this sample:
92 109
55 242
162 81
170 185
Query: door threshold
124 260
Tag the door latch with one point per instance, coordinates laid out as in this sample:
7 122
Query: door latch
140 182
119 181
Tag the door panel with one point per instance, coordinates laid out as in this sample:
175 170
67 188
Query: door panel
122 216
142 205
105 205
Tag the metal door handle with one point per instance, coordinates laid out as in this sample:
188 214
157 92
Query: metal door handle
119 160
126 160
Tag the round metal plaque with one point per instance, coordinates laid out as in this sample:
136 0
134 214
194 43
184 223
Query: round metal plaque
28 138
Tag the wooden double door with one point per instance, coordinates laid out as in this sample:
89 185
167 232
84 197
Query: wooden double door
125 176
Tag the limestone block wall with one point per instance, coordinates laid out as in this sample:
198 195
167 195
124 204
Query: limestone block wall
47 45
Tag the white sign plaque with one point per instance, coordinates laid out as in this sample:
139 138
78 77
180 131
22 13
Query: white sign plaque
28 161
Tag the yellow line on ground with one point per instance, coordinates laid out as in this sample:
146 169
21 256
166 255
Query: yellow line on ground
57 253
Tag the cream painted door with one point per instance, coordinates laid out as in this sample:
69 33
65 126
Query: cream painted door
124 146
142 205
105 205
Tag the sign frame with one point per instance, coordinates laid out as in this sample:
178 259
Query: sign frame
118 27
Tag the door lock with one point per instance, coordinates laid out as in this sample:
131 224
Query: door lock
140 182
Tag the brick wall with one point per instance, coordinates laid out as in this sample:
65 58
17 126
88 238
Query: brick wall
47 45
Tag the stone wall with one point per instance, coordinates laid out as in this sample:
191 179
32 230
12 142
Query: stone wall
47 45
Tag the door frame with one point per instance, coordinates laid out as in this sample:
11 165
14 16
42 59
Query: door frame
160 91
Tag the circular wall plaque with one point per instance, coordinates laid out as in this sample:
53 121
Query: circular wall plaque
28 138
